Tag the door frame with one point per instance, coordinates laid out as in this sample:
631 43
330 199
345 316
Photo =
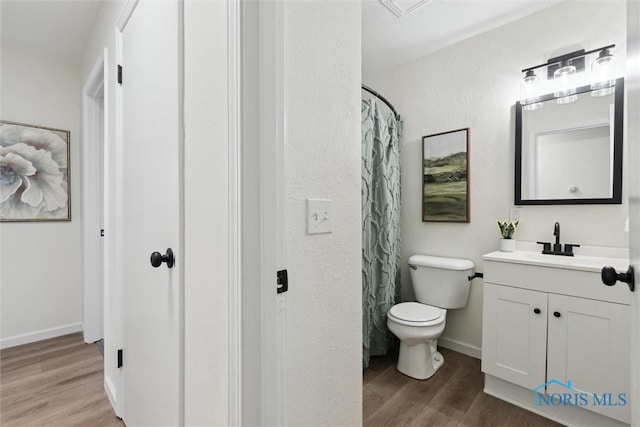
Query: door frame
94 203
235 265
264 212
632 98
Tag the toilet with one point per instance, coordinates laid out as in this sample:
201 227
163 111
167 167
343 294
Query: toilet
439 284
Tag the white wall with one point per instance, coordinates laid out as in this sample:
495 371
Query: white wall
475 84
41 263
322 79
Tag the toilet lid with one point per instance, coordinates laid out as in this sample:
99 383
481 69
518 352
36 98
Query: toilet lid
414 312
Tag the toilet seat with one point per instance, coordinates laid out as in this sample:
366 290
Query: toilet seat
416 314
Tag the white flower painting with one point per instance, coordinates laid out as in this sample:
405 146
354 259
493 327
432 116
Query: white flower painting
34 173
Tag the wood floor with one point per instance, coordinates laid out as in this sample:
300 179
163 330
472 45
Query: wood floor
57 382
452 397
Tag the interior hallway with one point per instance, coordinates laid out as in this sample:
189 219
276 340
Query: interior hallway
56 382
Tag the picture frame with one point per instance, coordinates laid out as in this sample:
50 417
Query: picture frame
35 179
445 177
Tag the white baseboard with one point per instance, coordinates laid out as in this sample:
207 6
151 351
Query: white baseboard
110 390
40 335
461 347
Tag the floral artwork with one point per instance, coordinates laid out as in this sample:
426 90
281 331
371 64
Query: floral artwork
34 173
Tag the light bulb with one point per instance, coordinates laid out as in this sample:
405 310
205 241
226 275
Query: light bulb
563 78
529 90
603 71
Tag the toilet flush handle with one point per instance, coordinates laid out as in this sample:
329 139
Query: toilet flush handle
413 266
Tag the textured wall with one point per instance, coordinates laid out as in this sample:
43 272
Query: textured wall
475 84
41 263
322 78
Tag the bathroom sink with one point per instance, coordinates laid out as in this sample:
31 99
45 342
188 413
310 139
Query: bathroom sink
577 262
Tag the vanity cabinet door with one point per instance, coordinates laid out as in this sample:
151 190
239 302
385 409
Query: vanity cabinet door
588 344
514 334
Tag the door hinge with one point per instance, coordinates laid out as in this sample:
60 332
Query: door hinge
102 232
119 74
282 281
120 358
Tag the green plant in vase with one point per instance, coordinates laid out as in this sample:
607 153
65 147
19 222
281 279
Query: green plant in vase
507 230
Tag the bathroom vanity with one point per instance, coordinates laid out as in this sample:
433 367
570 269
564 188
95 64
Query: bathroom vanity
550 326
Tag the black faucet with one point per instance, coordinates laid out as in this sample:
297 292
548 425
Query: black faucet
556 232
557 247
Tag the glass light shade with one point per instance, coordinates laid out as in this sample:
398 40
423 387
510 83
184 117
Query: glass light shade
603 71
567 99
532 107
564 79
529 92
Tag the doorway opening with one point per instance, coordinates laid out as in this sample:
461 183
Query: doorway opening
93 204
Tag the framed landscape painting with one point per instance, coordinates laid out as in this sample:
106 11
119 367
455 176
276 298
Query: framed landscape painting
34 173
445 184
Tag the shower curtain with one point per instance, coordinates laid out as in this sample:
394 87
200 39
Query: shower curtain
380 226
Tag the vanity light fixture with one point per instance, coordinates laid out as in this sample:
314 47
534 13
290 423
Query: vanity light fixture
603 69
564 77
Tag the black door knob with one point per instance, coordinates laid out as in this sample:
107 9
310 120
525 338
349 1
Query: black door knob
610 276
536 310
157 259
556 313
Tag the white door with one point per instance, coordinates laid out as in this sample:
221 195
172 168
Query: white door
633 171
514 334
151 140
589 346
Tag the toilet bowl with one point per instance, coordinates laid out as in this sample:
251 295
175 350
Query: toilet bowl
418 327
439 284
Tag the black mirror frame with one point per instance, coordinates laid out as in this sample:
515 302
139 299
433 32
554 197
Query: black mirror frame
618 136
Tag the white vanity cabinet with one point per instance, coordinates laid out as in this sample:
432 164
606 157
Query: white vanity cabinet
514 335
550 324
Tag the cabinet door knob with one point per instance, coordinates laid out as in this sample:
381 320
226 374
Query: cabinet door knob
556 313
536 310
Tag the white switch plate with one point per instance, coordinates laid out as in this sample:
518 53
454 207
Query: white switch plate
516 214
319 216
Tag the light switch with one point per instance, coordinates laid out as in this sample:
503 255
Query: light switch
319 216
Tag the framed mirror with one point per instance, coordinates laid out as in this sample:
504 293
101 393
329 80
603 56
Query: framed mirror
570 153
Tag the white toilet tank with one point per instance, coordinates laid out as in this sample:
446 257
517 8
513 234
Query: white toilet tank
441 282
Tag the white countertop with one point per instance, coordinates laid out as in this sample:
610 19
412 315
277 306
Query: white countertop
586 259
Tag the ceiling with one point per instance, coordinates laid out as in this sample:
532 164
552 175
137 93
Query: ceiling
61 27
388 41
57 27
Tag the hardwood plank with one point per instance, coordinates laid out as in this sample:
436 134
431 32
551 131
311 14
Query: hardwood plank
41 346
54 382
377 365
452 397
406 403
488 411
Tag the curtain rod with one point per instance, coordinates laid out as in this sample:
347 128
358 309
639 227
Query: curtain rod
383 99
